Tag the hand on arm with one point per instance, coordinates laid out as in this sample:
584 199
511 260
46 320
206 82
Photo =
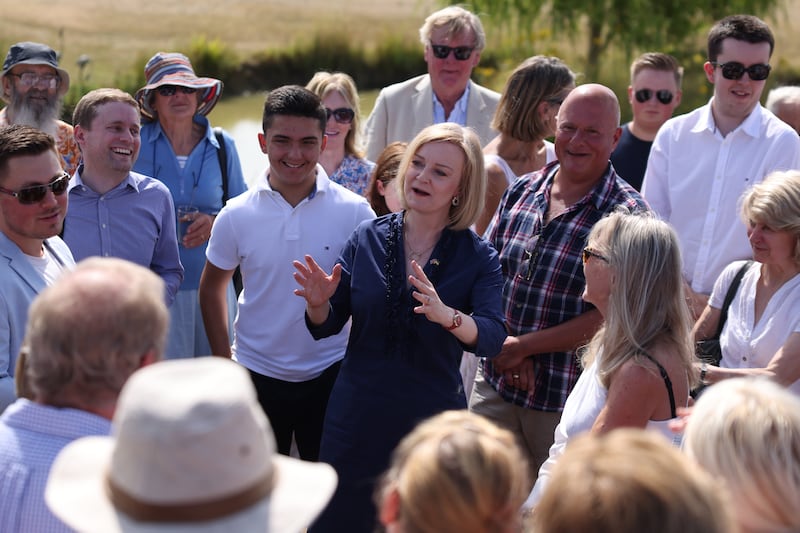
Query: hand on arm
564 337
212 294
436 311
783 368
317 287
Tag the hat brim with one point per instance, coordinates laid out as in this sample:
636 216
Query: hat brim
76 493
209 98
63 74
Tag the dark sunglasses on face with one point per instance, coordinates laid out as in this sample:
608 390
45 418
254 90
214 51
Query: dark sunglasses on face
643 95
588 253
169 90
733 70
461 53
343 115
36 193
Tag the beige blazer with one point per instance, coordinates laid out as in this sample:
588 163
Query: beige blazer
402 110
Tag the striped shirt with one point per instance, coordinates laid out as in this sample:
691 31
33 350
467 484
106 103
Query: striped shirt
31 435
543 273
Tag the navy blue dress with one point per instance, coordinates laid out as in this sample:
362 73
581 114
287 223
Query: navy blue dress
399 368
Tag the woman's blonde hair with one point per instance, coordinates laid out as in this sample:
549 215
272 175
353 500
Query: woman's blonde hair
646 305
775 202
630 480
473 179
457 471
747 432
322 84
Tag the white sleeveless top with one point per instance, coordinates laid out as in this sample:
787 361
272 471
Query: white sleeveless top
490 159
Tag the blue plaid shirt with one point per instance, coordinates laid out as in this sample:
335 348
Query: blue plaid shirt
543 273
31 435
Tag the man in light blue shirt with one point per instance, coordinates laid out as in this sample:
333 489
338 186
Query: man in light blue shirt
86 335
33 204
116 212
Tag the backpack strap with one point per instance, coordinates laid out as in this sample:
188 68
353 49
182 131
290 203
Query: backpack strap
222 155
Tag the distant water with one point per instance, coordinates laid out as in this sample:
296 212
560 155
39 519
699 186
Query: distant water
245 133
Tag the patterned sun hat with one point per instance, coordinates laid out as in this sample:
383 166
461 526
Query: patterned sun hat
172 68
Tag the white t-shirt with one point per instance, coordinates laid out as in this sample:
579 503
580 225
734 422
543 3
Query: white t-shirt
695 178
744 343
262 233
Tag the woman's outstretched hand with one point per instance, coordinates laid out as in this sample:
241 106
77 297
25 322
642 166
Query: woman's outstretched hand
317 285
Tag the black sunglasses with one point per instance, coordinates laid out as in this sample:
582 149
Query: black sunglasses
343 115
36 193
169 90
733 70
643 95
589 253
461 53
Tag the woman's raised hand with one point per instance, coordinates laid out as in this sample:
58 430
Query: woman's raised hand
317 285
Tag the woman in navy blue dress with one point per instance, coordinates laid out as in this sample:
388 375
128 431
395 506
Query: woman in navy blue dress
420 288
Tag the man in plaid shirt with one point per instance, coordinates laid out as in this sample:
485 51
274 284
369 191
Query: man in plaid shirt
540 231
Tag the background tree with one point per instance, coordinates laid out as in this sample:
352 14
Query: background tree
631 25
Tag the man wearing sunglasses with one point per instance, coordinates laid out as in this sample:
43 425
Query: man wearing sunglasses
33 204
702 162
654 93
33 87
453 39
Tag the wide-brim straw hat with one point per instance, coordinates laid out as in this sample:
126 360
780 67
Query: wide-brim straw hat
191 451
172 68
30 53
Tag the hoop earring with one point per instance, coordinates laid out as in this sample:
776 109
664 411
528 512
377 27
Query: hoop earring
455 201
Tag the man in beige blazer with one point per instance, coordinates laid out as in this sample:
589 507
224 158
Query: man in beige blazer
453 39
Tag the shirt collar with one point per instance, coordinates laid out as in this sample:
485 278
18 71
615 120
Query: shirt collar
132 180
751 125
459 113
322 184
598 196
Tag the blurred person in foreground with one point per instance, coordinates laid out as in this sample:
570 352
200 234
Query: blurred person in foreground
182 150
86 335
746 433
191 451
784 102
420 288
456 471
342 157
629 480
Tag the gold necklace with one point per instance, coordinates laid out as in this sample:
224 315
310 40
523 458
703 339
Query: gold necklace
413 254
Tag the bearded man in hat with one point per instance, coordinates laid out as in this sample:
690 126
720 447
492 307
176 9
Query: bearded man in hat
33 87
87 333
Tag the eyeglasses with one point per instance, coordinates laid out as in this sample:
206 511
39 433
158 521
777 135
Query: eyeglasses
169 90
343 115
644 95
31 79
589 253
36 193
733 70
461 53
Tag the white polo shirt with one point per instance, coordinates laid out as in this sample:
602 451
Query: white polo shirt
262 233
695 178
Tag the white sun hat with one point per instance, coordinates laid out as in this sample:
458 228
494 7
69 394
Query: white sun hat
191 450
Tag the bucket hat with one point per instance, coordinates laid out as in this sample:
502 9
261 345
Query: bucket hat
30 53
172 68
191 451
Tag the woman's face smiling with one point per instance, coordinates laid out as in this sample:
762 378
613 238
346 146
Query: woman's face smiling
336 131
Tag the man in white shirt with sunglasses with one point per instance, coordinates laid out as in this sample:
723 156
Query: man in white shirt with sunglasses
453 39
701 163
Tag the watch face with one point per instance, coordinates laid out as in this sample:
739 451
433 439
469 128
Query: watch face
456 320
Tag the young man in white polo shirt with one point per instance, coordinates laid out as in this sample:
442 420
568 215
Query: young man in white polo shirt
293 210
701 163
